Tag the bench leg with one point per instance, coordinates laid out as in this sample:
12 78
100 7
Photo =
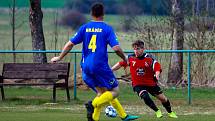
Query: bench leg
54 94
2 93
67 92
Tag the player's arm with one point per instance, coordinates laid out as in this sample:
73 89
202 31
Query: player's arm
127 72
119 52
123 64
157 75
157 70
76 39
113 42
116 67
68 46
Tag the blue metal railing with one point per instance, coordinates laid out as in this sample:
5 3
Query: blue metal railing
126 51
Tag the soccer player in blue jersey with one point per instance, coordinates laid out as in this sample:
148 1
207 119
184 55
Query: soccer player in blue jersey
95 37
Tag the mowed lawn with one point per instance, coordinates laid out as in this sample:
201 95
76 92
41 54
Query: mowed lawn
34 104
78 116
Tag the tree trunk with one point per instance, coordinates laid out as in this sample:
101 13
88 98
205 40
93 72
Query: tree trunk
193 7
56 31
197 8
176 63
208 8
38 41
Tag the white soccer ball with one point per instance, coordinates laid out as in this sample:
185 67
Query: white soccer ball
110 111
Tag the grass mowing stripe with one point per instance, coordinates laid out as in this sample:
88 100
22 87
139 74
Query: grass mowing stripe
68 116
24 104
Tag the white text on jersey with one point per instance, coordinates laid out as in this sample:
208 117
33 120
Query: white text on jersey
93 30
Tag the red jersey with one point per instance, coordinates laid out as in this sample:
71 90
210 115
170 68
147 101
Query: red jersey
142 69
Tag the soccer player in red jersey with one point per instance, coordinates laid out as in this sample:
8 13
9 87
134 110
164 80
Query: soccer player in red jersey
145 73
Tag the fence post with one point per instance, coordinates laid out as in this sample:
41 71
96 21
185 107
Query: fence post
75 88
188 77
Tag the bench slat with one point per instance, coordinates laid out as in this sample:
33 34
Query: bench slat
35 66
31 84
34 74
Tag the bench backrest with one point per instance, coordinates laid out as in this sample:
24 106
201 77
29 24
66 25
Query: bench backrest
35 70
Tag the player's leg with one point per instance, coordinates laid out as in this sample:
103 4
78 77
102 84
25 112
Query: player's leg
97 110
90 110
93 113
148 101
143 94
106 79
166 104
158 93
115 103
120 110
105 98
100 83
88 79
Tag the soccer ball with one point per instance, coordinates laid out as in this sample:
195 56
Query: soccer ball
110 111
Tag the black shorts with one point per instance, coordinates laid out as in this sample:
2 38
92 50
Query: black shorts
153 90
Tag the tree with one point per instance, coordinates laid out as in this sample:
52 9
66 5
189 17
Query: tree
13 29
129 15
38 40
201 38
16 23
197 7
176 63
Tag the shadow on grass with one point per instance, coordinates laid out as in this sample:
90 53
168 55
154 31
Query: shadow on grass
25 101
30 100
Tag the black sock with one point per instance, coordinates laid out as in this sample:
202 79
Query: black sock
148 101
167 106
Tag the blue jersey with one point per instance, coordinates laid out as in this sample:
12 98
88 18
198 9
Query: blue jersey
95 37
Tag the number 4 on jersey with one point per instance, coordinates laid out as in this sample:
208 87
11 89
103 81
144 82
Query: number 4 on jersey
92 44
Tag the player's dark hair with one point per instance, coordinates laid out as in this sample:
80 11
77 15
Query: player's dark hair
97 10
138 43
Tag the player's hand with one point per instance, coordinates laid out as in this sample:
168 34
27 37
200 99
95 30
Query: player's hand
126 60
157 75
55 59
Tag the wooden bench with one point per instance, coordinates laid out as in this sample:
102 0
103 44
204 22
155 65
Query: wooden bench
36 71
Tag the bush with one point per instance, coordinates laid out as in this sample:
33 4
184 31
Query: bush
73 19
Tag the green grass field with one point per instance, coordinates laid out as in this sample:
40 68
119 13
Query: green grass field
78 116
25 103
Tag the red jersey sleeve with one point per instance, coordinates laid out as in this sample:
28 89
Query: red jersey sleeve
157 67
123 63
